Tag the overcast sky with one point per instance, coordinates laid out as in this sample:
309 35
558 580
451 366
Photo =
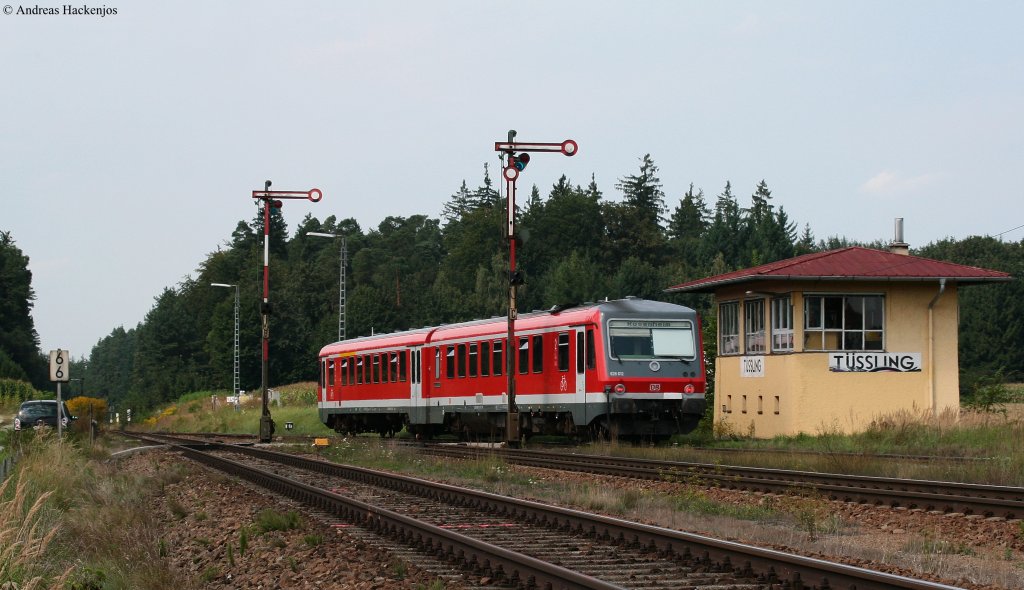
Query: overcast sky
130 143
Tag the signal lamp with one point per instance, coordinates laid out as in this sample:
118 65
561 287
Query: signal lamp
520 161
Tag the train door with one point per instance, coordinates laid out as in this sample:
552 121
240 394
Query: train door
417 411
580 365
331 385
323 380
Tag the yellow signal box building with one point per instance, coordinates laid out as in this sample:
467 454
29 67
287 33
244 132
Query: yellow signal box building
829 341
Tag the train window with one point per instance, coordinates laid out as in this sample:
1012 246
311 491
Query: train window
591 351
352 371
498 364
639 339
437 363
472 358
360 365
376 368
402 364
524 355
538 353
460 360
343 369
580 352
563 351
485 359
449 362
330 372
323 369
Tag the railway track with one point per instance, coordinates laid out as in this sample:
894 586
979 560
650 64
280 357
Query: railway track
989 501
527 544
945 497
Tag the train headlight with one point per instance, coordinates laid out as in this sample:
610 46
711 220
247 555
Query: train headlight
620 388
689 388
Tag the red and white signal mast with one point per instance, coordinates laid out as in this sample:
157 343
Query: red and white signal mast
517 156
272 200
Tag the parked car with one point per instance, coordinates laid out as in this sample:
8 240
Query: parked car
39 413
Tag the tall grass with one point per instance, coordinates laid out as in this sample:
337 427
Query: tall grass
69 521
25 535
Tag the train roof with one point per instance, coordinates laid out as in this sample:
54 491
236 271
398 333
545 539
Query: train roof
498 325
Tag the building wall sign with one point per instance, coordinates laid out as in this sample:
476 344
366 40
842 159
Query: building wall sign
874 362
752 366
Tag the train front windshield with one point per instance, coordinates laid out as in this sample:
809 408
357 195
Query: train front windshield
652 339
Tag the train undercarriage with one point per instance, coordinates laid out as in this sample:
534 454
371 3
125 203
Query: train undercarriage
629 420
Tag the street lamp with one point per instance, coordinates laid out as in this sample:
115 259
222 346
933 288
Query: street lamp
341 279
235 383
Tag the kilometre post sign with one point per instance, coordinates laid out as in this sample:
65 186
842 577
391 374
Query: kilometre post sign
59 361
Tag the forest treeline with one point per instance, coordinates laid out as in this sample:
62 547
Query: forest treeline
408 272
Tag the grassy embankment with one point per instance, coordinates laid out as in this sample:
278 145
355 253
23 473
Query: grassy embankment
207 411
70 520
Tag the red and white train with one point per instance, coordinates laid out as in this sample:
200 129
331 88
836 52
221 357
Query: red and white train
627 368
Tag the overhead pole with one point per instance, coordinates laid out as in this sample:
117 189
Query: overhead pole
272 199
517 156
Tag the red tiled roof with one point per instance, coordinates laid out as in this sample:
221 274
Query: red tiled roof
853 263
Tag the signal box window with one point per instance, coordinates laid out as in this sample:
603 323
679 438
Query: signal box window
844 322
498 364
485 359
449 362
538 353
753 320
782 324
729 328
524 355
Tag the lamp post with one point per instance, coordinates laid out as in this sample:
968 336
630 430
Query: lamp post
341 279
235 372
